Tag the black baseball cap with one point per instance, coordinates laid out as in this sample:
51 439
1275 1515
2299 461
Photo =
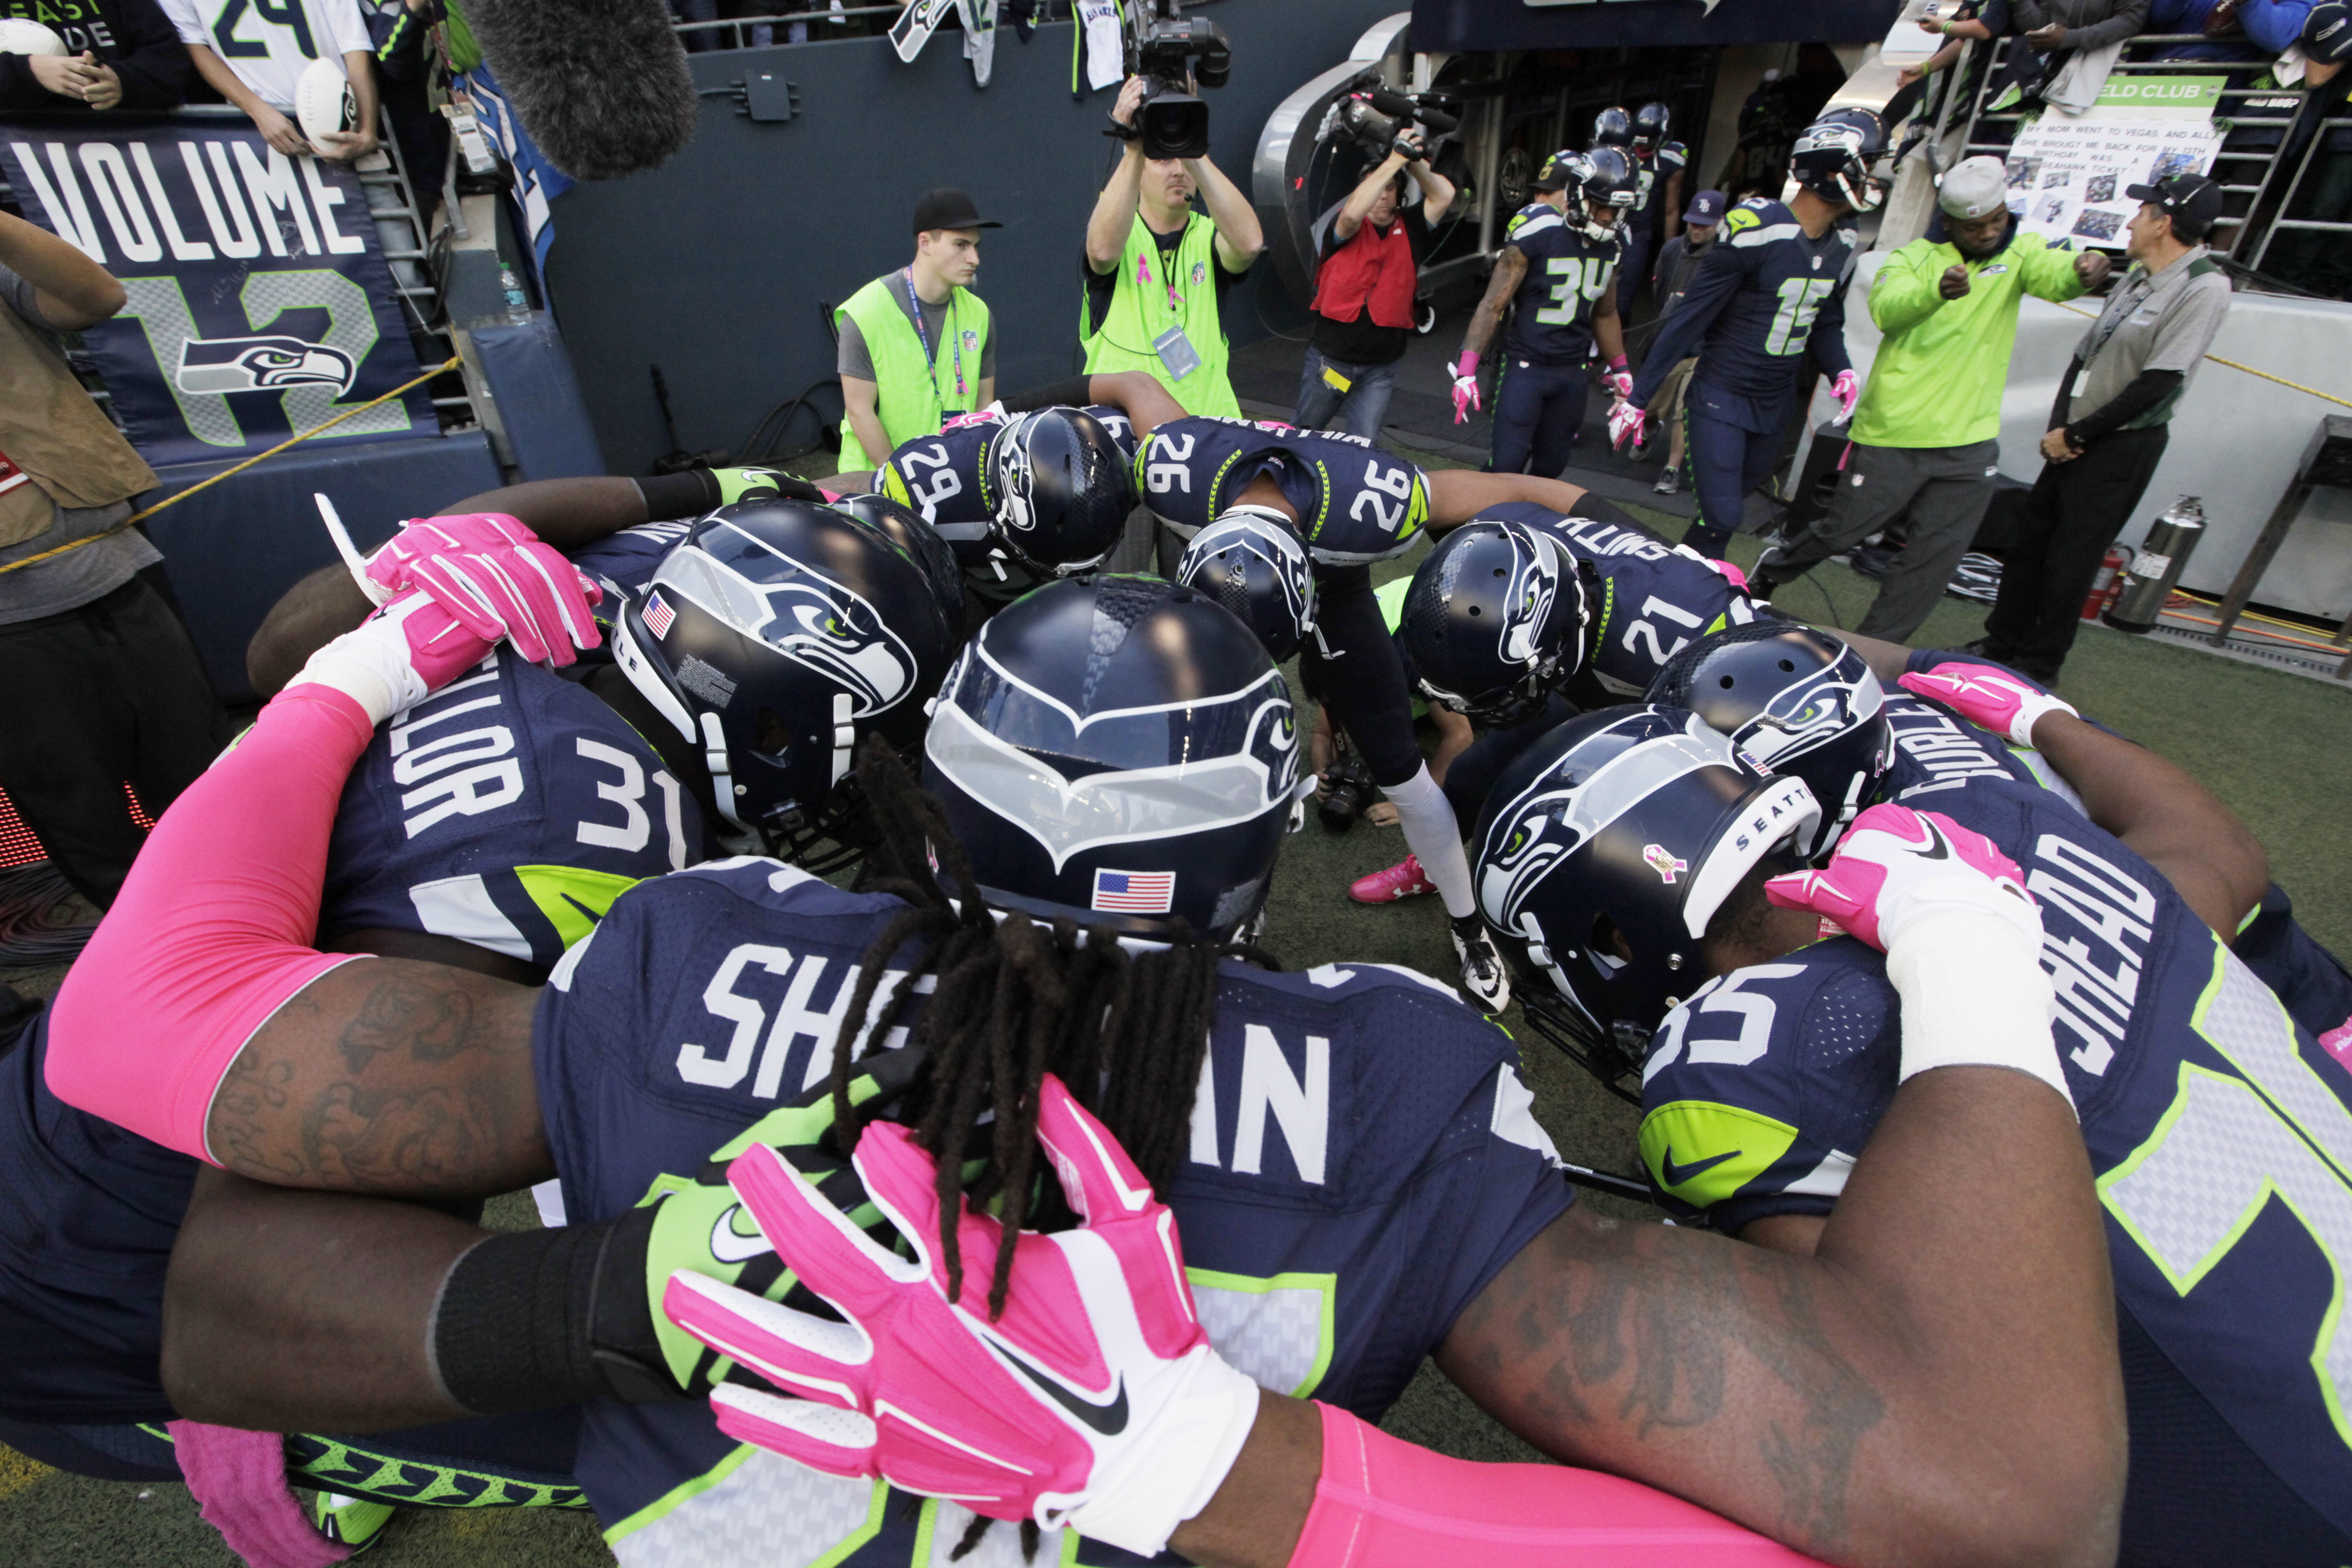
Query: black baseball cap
2192 201
947 208
1555 174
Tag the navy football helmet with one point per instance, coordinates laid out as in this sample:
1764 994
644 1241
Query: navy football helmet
1650 124
777 635
1494 620
1120 750
1604 851
1058 490
1793 700
1613 127
1250 561
1833 157
1607 181
903 526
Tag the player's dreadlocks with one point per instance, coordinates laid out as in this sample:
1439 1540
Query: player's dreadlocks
1016 1000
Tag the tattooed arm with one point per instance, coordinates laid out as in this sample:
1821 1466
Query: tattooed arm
1937 1383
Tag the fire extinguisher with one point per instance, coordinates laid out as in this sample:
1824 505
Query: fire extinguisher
2103 586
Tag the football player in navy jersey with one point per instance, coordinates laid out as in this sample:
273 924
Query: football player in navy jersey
1357 1175
1770 292
1527 615
1658 164
1555 272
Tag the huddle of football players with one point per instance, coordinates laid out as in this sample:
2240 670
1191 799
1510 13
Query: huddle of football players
802 876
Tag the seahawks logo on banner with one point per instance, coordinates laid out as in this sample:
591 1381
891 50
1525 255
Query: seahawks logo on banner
255 364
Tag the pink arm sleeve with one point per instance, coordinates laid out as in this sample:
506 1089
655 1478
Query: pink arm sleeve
213 931
1383 1503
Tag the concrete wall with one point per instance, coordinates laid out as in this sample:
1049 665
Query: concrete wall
713 266
2236 438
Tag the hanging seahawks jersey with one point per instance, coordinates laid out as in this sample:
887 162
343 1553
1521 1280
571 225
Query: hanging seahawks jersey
1354 502
1567 271
1648 597
2219 1132
1764 295
1361 1164
509 809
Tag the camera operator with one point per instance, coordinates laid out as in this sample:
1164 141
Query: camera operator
1364 291
1157 272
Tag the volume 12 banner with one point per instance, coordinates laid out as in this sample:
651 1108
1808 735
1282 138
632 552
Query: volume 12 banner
260 303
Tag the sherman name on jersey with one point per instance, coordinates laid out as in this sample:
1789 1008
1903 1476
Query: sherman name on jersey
1362 1161
2201 1101
1355 502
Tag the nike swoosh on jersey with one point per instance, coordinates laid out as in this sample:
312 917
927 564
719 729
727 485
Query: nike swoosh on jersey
729 1245
1108 1419
1676 1175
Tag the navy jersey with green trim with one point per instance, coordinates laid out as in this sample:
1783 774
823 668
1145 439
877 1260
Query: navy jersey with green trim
508 810
1654 597
2201 1102
1653 171
1762 298
1361 1164
622 565
1355 502
1567 271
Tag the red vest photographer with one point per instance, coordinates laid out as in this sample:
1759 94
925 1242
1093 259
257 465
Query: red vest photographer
1364 291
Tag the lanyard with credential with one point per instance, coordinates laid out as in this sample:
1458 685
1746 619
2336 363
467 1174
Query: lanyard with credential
915 303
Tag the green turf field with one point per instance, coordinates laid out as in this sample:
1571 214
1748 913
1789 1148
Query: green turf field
2274 745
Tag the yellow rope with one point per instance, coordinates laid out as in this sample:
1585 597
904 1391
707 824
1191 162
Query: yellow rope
450 364
2250 370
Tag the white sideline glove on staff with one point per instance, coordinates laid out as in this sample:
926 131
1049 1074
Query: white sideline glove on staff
1096 1401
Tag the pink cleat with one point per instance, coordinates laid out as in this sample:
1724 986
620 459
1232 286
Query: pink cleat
1402 880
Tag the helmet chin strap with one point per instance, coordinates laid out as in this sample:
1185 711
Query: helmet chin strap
722 778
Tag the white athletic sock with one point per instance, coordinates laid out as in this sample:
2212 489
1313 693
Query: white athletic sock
1434 836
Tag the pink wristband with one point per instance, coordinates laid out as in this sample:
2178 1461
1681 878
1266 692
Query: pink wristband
1617 363
1384 1503
214 930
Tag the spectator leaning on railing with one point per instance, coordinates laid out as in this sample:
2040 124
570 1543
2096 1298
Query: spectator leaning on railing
1364 291
253 55
120 53
1924 438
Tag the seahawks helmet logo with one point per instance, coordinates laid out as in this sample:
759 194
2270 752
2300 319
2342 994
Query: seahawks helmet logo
261 364
808 618
1811 713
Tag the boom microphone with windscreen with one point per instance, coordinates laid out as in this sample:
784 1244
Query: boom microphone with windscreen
1396 106
601 85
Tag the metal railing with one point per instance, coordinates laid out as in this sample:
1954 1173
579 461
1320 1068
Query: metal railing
2241 172
2315 147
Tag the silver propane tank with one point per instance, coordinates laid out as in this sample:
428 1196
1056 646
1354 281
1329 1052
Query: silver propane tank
2142 587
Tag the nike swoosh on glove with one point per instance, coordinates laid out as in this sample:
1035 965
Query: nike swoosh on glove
1464 372
497 579
1626 424
1990 698
1096 1401
1847 390
1897 865
396 658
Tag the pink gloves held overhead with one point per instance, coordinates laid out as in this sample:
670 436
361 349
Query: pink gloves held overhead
497 579
1096 1401
1989 698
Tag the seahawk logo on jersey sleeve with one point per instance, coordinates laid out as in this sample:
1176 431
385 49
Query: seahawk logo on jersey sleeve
261 364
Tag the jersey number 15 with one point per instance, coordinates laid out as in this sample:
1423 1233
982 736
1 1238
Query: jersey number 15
1792 324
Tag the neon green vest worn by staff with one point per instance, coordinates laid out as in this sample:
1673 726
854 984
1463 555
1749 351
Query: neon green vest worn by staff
913 396
1140 311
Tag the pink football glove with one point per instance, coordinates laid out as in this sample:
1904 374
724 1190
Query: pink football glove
397 657
1619 379
1990 698
1896 864
497 579
1847 390
1626 424
1096 1401
1464 372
